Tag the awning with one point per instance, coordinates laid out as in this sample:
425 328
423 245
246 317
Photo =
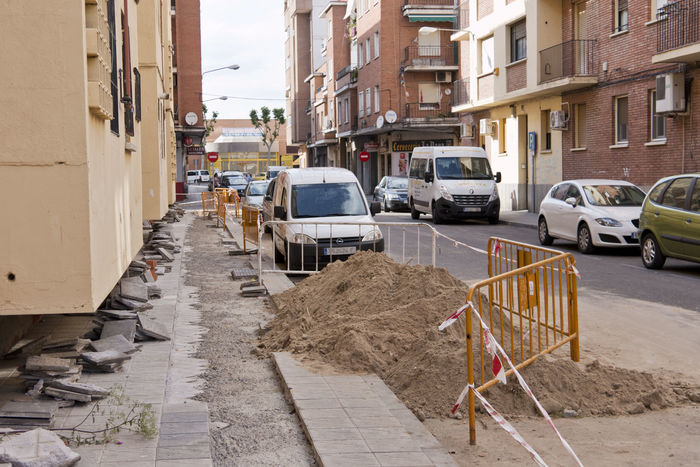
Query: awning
350 9
435 18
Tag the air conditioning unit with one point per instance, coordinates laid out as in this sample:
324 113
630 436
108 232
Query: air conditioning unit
670 93
443 76
557 120
483 126
466 130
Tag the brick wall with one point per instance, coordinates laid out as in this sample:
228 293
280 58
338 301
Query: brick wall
483 8
516 76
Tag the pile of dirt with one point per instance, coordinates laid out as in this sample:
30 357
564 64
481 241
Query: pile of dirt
371 314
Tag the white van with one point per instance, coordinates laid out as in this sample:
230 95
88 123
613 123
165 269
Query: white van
274 170
323 197
453 182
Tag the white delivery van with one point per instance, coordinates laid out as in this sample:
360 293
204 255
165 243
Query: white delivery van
452 182
332 205
274 170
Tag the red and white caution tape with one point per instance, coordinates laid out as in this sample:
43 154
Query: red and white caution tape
453 317
457 243
575 271
527 389
496 365
496 247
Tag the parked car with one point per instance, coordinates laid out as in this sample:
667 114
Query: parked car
192 176
267 204
392 193
592 213
255 192
453 183
237 182
203 175
260 176
670 221
331 197
273 171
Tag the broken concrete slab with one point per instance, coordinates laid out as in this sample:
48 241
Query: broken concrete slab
148 277
26 347
29 409
45 363
125 327
105 357
154 291
37 448
133 289
82 388
153 257
154 330
241 273
118 314
67 395
166 254
138 264
117 342
253 291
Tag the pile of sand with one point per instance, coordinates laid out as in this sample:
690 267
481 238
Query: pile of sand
370 314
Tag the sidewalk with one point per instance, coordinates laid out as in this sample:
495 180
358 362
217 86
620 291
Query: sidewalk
519 218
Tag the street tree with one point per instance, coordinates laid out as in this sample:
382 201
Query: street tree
268 124
208 122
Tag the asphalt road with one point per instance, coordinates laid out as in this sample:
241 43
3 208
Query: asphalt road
618 271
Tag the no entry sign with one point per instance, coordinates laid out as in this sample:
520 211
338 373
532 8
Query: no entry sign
364 156
213 156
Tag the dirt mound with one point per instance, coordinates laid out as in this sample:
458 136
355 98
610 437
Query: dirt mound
370 314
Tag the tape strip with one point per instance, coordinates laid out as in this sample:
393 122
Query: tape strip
453 317
458 243
527 389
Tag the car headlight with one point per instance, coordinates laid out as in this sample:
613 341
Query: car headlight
390 195
372 236
445 194
303 238
494 195
608 222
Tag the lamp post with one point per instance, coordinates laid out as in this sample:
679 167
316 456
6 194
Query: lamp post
230 67
220 98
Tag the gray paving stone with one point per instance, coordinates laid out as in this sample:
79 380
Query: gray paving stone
196 451
336 434
403 459
375 422
188 406
125 327
315 414
392 444
367 412
317 404
184 463
183 439
328 423
383 433
184 428
360 402
349 460
440 456
179 417
133 289
340 446
303 392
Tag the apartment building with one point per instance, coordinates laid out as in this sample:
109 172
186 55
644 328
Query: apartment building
187 87
79 158
385 86
556 90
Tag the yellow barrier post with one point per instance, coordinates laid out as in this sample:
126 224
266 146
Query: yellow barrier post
249 219
208 203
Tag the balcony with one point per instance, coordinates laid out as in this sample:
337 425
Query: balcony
430 58
678 32
461 92
428 115
429 10
346 79
562 63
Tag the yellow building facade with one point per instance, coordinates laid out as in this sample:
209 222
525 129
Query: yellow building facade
87 134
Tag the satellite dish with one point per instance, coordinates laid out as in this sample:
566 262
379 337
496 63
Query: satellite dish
380 121
390 116
448 91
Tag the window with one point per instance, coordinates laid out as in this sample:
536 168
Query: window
114 86
621 16
347 110
518 41
127 96
580 125
428 96
695 197
656 4
429 44
573 192
368 51
340 112
658 122
376 44
676 193
546 138
487 63
502 148
360 55
361 103
417 169
368 102
621 123
137 94
376 98
559 191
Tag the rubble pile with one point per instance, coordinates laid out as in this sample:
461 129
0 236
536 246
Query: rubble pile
371 314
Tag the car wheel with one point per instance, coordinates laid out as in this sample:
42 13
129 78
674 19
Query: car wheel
585 242
543 232
437 219
493 220
415 215
652 258
386 206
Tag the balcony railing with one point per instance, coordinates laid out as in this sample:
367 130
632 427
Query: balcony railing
428 111
461 92
568 59
678 25
430 55
429 2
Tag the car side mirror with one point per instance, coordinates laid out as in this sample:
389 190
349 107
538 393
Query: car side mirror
268 197
571 201
280 213
498 177
428 177
375 207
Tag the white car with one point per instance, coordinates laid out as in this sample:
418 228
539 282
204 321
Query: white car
203 175
592 213
192 176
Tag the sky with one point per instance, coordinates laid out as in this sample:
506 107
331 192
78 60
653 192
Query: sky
249 33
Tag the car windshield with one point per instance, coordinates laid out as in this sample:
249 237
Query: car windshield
257 189
463 168
234 180
614 195
327 199
397 184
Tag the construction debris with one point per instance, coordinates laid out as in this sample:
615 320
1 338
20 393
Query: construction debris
117 342
28 413
37 448
125 327
44 363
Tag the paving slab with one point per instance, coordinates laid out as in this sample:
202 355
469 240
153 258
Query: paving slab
357 420
133 289
125 327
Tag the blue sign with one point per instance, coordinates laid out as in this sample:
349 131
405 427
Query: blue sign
532 142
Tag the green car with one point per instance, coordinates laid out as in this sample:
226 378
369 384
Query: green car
669 224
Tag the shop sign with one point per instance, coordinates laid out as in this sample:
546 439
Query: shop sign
195 150
408 146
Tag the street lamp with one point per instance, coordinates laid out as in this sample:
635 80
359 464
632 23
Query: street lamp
220 98
230 67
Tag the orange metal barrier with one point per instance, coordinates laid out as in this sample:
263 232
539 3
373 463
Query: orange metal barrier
208 203
221 198
529 303
251 225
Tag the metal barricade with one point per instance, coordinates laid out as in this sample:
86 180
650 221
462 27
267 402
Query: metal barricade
250 217
530 304
393 244
208 203
221 208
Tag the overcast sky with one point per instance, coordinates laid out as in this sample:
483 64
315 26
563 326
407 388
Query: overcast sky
249 33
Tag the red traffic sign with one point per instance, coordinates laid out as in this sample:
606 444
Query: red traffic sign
364 156
187 140
213 156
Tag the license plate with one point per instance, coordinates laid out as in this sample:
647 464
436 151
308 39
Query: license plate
472 209
343 250
634 235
